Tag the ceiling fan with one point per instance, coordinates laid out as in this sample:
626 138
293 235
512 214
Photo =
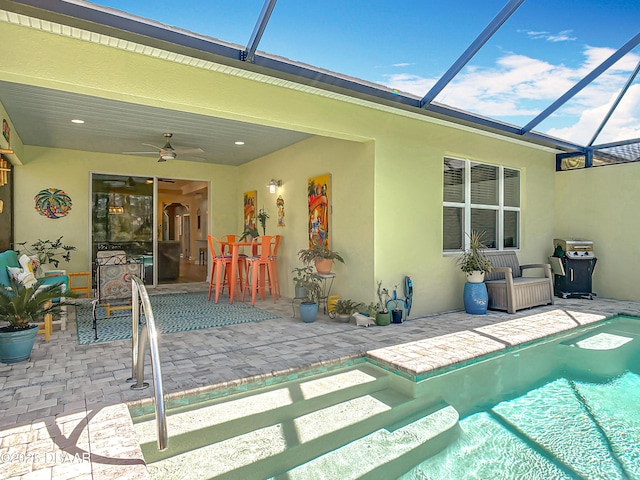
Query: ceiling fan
167 152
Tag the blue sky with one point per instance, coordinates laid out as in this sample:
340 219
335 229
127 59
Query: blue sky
544 48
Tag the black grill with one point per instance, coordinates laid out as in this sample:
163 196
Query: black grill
573 263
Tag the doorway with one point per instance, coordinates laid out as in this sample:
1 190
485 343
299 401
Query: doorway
123 218
180 239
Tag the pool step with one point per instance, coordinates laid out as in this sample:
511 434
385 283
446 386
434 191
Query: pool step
264 434
385 453
238 414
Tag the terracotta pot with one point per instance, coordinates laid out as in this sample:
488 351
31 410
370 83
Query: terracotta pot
324 265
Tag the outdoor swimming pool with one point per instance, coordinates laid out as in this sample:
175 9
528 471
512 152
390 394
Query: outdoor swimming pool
566 407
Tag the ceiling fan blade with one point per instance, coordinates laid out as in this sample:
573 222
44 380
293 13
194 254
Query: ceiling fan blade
139 153
188 151
151 145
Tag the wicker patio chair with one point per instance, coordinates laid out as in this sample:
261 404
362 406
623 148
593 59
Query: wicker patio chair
509 290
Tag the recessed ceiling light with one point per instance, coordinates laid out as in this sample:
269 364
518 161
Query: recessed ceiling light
239 143
75 120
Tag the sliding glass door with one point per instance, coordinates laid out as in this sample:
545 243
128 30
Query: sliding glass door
122 218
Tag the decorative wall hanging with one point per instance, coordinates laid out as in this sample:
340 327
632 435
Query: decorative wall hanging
250 200
319 193
280 205
6 132
52 203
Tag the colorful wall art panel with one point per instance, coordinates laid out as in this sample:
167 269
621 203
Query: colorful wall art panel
319 193
250 200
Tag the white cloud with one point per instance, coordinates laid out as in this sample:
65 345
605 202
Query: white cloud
563 36
521 86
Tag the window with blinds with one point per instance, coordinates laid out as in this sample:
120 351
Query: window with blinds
483 197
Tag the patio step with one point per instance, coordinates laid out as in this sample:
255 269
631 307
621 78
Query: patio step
264 434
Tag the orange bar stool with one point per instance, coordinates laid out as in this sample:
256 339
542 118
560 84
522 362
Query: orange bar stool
225 249
260 262
219 264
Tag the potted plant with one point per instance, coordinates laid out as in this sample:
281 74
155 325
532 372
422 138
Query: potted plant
382 313
249 233
262 218
322 256
23 308
473 262
396 313
300 276
344 308
309 305
48 252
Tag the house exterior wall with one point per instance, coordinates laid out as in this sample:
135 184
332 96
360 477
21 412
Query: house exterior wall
386 167
601 204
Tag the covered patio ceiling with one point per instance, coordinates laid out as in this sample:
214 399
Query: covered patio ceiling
35 111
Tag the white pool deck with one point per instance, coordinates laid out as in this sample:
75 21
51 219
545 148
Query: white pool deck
65 412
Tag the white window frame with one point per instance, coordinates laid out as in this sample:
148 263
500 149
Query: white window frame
467 206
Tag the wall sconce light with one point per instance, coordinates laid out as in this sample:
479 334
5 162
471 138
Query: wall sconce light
273 184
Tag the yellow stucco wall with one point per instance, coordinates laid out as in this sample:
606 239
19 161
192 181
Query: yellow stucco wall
386 167
601 205
351 166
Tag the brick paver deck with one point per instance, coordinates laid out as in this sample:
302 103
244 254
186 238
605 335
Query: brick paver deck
65 412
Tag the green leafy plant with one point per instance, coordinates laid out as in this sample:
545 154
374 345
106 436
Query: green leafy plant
48 251
371 309
474 259
311 284
262 218
21 306
345 307
301 275
249 231
318 251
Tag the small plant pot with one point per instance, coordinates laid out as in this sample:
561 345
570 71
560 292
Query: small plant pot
344 317
324 266
383 319
475 277
308 312
396 316
300 292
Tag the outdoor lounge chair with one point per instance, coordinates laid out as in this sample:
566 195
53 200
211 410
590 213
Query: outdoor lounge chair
509 290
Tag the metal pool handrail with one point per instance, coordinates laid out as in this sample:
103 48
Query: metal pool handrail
139 341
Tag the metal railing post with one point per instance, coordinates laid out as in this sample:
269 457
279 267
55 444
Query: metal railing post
139 296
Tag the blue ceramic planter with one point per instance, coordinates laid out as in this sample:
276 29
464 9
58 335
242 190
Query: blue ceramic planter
308 312
475 298
16 346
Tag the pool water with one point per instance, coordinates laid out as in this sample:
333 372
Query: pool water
562 408
562 430
582 423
